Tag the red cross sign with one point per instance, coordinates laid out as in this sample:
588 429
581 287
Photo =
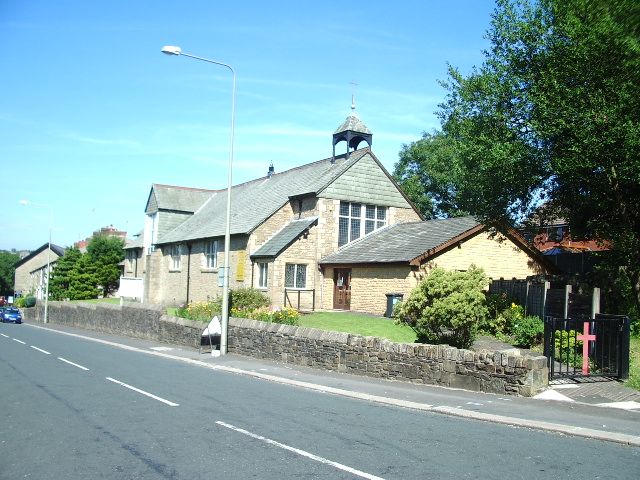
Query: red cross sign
586 338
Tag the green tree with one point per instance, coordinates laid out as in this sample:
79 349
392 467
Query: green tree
62 273
8 261
446 307
552 116
106 253
84 279
425 173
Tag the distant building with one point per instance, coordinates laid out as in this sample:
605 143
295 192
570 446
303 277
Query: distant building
552 237
109 231
31 271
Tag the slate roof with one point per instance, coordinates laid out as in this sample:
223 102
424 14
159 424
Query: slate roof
354 124
54 248
136 242
255 201
403 242
285 237
183 199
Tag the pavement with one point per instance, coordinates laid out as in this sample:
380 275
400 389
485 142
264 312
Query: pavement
571 409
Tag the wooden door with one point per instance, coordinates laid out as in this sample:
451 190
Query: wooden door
342 289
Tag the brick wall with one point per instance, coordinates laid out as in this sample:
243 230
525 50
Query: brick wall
370 284
495 372
499 257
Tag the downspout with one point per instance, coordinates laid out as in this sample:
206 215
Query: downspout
188 270
253 264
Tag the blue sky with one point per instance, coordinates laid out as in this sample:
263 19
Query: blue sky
92 113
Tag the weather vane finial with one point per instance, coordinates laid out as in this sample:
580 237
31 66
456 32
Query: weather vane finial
353 97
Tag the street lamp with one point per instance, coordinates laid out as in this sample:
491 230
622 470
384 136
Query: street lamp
46 286
224 324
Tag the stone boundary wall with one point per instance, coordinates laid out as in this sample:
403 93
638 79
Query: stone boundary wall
131 320
495 372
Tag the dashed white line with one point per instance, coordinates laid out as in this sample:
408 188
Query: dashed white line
150 395
40 350
71 363
19 341
5 336
337 465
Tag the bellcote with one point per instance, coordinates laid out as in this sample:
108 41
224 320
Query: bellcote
353 131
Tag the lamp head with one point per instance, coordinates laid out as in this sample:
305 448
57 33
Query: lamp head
171 50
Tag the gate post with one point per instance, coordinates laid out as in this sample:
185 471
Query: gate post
549 343
567 291
625 339
545 289
595 302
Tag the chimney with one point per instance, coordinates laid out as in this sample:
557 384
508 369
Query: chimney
271 171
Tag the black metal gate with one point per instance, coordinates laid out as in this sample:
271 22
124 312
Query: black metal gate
578 347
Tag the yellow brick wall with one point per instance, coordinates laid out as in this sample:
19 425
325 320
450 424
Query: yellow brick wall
369 286
498 257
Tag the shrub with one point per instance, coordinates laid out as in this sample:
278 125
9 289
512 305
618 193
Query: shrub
19 302
200 311
528 331
248 299
287 315
494 323
512 317
29 301
446 307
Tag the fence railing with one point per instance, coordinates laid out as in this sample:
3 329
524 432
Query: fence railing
302 302
596 347
540 299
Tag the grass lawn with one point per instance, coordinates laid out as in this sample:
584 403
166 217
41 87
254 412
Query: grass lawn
359 324
634 365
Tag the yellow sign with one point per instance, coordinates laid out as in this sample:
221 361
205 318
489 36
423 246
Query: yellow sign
242 257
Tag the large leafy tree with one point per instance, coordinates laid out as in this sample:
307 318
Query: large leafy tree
552 116
106 253
8 261
84 279
62 274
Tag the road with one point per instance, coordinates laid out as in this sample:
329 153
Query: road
72 409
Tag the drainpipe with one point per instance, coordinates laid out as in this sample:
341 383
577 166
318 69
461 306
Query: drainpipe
188 269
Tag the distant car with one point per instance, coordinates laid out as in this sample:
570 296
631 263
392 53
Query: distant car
10 315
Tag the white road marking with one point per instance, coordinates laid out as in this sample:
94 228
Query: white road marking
161 349
553 395
337 465
19 341
40 350
150 395
629 405
474 403
622 438
5 336
71 363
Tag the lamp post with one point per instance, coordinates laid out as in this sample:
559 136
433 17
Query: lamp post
46 286
224 324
